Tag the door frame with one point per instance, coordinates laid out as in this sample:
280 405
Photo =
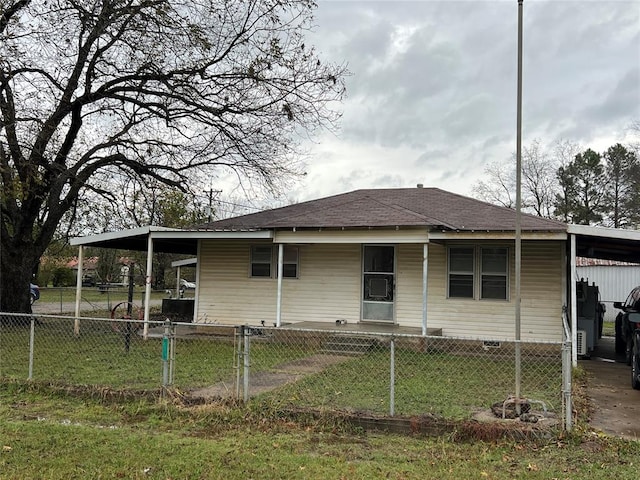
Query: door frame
393 274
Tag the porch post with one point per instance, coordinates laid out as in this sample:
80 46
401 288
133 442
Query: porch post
76 323
279 298
425 256
574 304
178 272
147 282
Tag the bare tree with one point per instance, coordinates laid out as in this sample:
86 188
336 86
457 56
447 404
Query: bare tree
156 89
539 183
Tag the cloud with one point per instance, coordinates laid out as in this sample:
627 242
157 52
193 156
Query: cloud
432 98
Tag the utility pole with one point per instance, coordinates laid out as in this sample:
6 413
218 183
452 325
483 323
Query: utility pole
211 192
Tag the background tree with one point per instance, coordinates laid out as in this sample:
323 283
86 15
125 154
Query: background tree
150 89
539 182
622 177
583 189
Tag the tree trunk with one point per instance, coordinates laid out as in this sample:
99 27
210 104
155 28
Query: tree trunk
17 264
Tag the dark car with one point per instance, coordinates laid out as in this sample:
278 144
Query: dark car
634 321
624 328
34 292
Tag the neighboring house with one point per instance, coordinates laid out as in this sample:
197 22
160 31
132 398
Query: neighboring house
412 257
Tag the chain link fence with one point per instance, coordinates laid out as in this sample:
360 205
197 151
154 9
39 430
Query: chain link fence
330 370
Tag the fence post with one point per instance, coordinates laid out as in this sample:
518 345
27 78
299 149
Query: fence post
165 355
392 383
247 359
32 337
566 386
172 353
239 341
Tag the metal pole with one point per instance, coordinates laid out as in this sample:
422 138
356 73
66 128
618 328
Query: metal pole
392 383
518 239
172 354
32 335
279 296
239 340
246 354
147 290
165 355
566 385
425 255
573 312
76 323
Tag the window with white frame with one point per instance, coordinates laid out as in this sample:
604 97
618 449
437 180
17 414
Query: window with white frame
478 272
461 272
493 272
290 262
264 261
261 260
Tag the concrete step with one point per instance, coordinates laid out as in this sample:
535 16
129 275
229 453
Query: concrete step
348 345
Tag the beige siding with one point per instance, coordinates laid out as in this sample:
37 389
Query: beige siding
413 235
541 304
329 288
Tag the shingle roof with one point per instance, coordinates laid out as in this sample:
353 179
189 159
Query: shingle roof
395 207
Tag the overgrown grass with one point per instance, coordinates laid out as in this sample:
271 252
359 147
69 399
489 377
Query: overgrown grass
51 437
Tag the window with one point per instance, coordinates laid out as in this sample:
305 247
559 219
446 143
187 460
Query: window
479 272
493 272
261 259
264 260
461 272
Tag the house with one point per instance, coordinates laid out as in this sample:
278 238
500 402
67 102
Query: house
405 257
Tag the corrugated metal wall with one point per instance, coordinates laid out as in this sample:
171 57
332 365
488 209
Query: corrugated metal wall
614 282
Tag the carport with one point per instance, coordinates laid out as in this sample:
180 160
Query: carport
602 243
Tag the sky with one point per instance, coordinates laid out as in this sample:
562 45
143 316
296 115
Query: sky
431 97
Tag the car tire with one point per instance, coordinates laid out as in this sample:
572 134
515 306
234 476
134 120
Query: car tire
635 364
620 343
629 352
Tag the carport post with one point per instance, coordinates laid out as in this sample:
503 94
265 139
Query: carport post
147 291
574 305
76 323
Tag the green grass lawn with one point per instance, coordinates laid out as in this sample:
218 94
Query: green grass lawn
59 437
450 385
439 383
93 295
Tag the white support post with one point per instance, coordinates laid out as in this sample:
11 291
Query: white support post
178 275
425 256
147 291
279 299
574 305
76 323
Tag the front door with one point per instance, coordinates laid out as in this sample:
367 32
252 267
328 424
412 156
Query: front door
378 282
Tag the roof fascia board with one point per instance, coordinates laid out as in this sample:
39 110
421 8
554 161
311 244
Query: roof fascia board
205 235
496 236
189 262
590 231
131 232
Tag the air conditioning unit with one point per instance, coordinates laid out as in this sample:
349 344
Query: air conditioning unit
582 342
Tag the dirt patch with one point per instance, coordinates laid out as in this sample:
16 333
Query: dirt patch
616 406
